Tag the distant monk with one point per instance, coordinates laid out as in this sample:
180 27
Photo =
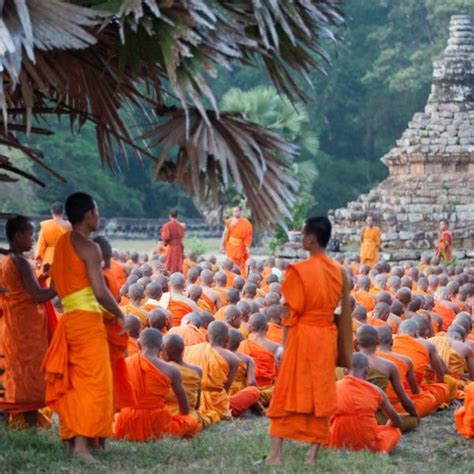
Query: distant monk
444 247
178 304
172 234
77 364
152 379
354 426
370 243
24 336
50 232
464 416
304 398
237 239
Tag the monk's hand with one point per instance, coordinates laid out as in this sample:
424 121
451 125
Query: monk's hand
46 267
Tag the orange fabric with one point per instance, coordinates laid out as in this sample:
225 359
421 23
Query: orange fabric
50 233
378 323
172 234
305 392
210 303
370 246
354 425
238 239
265 364
275 333
230 278
365 299
215 402
446 313
187 265
149 418
417 352
202 303
132 347
425 402
464 416
119 272
219 314
222 294
24 340
444 247
191 334
191 384
131 309
178 309
77 364
243 400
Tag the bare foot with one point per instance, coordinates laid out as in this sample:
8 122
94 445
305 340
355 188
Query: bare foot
68 446
86 456
311 455
274 460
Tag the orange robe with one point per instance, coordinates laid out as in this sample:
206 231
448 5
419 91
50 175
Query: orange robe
371 239
464 416
191 334
50 233
265 364
172 234
378 323
365 299
446 313
417 352
202 303
230 278
210 303
77 364
354 426
444 247
131 309
119 272
132 346
178 309
275 333
305 391
215 402
242 397
455 363
219 315
24 340
222 294
425 402
238 238
149 418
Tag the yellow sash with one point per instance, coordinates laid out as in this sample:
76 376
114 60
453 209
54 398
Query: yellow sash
81 300
235 241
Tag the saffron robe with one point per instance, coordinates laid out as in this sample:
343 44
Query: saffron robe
354 426
371 239
464 416
149 418
77 364
119 272
50 233
444 247
446 313
24 341
365 299
455 363
178 309
305 391
172 234
238 238
265 364
275 333
132 346
191 334
131 309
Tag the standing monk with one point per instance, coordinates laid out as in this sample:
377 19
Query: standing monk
24 336
237 238
50 232
304 398
77 364
370 243
172 234
444 247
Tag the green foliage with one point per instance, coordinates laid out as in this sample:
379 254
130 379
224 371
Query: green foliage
193 244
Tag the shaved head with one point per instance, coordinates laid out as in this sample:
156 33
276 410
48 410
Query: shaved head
154 290
157 319
207 277
273 313
235 338
177 281
218 332
133 325
239 283
408 327
385 335
136 291
194 292
271 299
384 297
367 337
360 363
206 319
359 313
191 318
404 295
233 296
151 339
382 311
258 322
173 347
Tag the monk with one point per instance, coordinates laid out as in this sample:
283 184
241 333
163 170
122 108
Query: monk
134 306
133 327
274 326
179 304
188 263
77 364
237 238
172 234
464 416
233 297
153 294
118 268
24 335
157 319
305 392
370 243
209 295
232 317
444 247
152 379
362 295
189 330
227 266
50 232
380 316
220 287
354 426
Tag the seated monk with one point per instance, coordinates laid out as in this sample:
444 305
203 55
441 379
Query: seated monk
189 262
362 295
136 295
404 296
233 297
274 326
232 317
193 275
464 319
173 350
383 371
445 308
380 284
380 315
264 353
209 295
249 292
426 310
221 287
152 379
227 267
397 309
189 330
464 416
271 299
133 327
423 354
354 426
393 285
157 320
194 294
153 294
244 309
218 366
206 319
425 402
118 268
239 283
179 304
463 296
359 317
244 394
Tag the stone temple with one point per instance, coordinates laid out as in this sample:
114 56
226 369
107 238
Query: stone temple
432 166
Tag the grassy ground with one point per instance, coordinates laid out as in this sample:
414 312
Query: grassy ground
239 446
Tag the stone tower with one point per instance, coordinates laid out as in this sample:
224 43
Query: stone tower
432 166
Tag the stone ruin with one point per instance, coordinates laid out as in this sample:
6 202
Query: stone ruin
432 166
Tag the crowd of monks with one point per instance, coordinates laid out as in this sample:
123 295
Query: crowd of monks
337 353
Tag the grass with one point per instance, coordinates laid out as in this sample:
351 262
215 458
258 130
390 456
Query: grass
239 446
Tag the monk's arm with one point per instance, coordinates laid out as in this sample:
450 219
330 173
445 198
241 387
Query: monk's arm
224 236
413 384
362 235
400 391
178 389
233 362
387 408
436 363
251 372
39 294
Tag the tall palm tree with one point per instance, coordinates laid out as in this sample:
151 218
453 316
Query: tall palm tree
98 60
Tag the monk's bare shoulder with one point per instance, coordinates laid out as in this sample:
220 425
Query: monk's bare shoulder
196 369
